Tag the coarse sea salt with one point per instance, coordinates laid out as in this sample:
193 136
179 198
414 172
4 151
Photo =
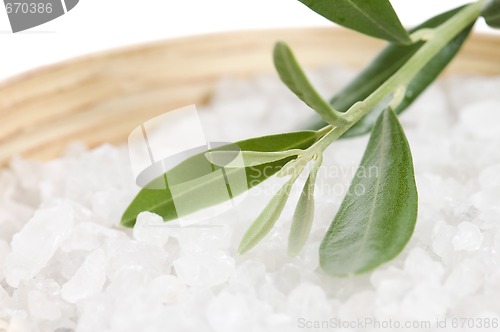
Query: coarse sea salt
66 265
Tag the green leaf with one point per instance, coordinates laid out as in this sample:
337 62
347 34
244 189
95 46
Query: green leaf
160 201
238 159
304 214
375 18
266 219
293 76
491 13
378 215
385 65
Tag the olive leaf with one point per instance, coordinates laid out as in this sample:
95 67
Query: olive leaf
390 60
375 18
491 13
267 218
161 202
304 213
377 217
235 159
293 76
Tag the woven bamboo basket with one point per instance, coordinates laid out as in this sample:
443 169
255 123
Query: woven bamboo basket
101 98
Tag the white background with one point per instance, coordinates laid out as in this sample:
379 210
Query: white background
95 25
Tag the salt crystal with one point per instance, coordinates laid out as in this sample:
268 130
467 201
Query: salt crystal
5 301
94 313
248 273
75 149
441 239
168 288
29 173
53 178
477 305
138 310
268 293
391 283
229 312
88 236
308 300
390 293
308 256
430 113
388 273
88 280
41 306
425 301
13 217
358 305
467 90
486 199
4 251
496 244
109 205
41 298
8 183
472 118
465 279
287 277
490 177
469 237
37 242
62 325
205 237
151 228
19 323
205 268
87 177
126 280
124 255
421 267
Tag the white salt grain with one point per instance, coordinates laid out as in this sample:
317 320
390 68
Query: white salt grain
150 228
465 279
204 269
425 301
442 239
4 250
5 301
35 244
169 288
124 255
468 237
88 236
490 177
361 304
8 183
41 307
248 274
473 117
229 312
308 300
421 267
88 280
